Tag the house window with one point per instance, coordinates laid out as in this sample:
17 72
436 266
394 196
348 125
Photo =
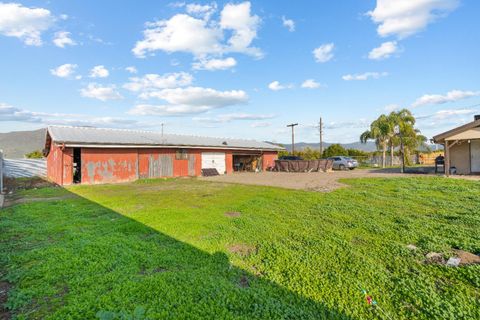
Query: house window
181 154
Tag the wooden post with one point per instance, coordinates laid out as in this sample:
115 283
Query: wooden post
447 159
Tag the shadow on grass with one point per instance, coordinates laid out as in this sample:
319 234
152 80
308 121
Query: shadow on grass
73 258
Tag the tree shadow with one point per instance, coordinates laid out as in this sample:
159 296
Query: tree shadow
73 258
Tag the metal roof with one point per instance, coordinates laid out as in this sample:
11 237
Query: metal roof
442 136
99 137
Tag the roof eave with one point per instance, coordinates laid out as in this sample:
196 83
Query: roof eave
440 138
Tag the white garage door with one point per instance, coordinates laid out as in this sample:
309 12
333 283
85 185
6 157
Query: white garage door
214 160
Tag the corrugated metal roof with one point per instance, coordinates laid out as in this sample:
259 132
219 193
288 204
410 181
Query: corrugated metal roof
104 136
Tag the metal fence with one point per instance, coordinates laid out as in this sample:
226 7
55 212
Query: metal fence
1 171
376 161
24 168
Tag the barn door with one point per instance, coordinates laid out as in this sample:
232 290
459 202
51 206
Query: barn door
191 165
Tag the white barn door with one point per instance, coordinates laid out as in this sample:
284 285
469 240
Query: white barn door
475 156
214 160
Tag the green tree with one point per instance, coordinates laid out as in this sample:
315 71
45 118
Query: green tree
37 154
335 150
381 132
357 153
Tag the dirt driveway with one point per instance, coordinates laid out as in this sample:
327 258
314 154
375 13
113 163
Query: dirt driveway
314 181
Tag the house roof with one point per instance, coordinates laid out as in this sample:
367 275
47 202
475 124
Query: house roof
442 136
104 137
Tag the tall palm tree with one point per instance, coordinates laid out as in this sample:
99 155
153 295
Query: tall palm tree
411 136
380 132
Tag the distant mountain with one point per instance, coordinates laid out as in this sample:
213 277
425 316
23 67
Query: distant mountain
16 144
369 146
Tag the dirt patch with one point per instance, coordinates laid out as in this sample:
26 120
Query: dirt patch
434 258
467 258
12 184
144 271
242 249
4 289
244 282
12 200
313 181
233 214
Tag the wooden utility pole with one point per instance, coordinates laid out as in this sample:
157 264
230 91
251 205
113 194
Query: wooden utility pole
293 136
320 128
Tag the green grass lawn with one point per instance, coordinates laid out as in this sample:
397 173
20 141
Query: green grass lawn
165 249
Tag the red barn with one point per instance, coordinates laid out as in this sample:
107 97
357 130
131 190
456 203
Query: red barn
95 155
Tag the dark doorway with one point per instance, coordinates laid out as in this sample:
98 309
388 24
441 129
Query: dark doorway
77 165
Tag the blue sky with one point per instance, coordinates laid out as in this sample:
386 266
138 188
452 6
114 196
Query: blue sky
239 69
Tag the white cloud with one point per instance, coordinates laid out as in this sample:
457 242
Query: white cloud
62 39
24 23
181 33
215 64
404 18
102 93
276 86
385 50
311 84
200 37
131 69
324 53
364 76
260 124
446 114
64 71
288 23
234 117
190 100
198 96
150 82
10 113
99 72
202 11
238 18
451 96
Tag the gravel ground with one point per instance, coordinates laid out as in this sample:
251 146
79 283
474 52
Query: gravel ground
314 181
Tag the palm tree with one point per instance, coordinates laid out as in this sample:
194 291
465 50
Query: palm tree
380 132
411 136
406 121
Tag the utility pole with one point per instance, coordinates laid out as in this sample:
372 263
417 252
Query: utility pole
293 136
320 128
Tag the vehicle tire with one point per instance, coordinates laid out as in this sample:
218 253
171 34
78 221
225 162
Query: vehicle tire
341 167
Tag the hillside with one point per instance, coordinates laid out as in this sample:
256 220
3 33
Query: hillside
16 144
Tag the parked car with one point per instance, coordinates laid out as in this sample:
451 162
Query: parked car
290 158
343 163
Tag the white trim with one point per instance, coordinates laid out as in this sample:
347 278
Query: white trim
129 146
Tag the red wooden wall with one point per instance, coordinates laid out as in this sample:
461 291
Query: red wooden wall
112 165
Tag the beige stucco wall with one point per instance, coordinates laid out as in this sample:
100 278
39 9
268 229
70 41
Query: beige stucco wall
460 157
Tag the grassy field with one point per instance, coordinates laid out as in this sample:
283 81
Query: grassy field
187 249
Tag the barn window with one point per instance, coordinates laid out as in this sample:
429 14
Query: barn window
181 154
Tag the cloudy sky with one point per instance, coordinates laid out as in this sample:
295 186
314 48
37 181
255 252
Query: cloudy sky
239 69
